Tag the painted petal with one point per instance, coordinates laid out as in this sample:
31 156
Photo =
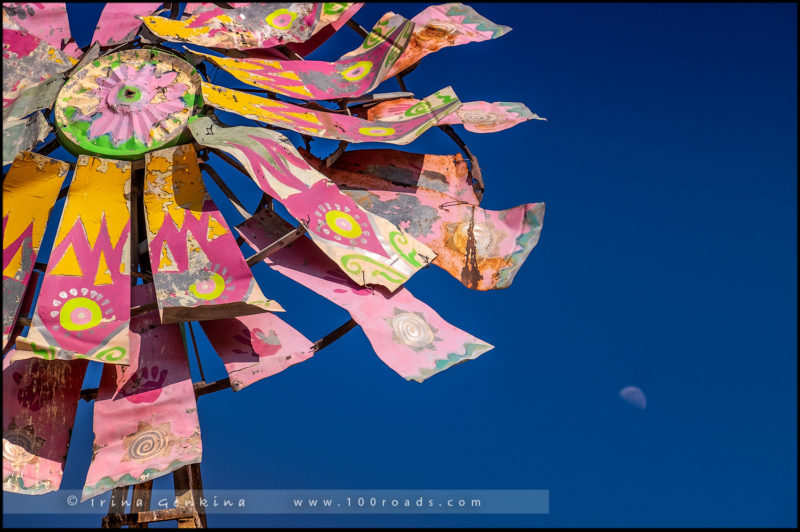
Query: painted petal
483 249
23 134
367 247
325 29
408 335
398 129
198 270
255 347
40 399
91 251
28 60
446 25
29 193
261 25
118 23
47 21
145 414
354 74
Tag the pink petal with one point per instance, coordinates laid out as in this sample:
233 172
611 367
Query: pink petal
102 125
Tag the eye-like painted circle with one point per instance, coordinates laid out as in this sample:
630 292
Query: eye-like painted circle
281 19
128 94
334 8
343 224
210 288
79 314
376 131
357 71
419 109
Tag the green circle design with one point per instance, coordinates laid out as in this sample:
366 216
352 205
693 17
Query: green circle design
65 317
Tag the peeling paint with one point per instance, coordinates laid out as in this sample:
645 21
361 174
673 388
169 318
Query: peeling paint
360 243
29 193
399 129
482 248
198 270
119 22
23 134
84 301
40 399
355 73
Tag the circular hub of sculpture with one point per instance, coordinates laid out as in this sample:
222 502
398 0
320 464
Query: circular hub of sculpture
126 104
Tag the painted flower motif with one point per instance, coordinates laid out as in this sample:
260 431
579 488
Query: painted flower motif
133 102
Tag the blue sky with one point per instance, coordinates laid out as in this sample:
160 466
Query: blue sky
667 260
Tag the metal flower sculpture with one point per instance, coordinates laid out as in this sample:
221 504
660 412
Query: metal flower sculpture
141 248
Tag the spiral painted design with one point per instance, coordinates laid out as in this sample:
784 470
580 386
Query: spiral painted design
17 447
484 236
148 444
480 118
412 330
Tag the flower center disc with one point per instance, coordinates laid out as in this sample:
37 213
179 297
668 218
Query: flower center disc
126 104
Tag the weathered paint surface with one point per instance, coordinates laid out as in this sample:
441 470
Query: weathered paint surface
29 193
33 98
446 25
353 74
408 335
399 129
338 14
477 117
83 308
481 248
145 414
255 347
47 21
125 104
23 134
447 174
28 60
24 310
118 22
198 270
366 247
261 25
40 399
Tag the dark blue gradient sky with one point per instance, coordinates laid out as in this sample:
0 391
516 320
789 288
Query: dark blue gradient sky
667 260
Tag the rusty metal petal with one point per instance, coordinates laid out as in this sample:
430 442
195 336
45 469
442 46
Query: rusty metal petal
255 347
145 414
408 335
47 21
398 129
23 134
355 73
29 193
446 25
483 249
252 25
198 270
118 22
367 247
40 399
447 174
477 117
84 302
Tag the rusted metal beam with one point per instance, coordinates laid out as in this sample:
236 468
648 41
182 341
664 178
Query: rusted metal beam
475 170
281 243
355 26
118 497
334 335
151 516
226 190
142 493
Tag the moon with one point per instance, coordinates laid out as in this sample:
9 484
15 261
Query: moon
634 396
